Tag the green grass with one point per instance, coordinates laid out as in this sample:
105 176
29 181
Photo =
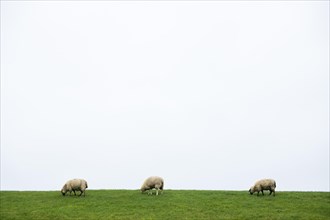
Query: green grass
172 204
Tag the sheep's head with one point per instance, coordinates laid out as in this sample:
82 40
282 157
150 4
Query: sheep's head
63 190
251 191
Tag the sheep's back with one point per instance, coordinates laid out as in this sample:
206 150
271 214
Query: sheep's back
266 183
153 180
77 183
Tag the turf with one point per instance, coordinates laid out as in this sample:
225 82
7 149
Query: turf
172 204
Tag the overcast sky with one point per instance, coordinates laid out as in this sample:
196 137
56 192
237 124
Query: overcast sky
208 95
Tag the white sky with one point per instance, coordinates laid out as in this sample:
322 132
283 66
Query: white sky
208 95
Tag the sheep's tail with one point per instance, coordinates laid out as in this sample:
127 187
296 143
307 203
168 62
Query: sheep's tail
86 185
162 187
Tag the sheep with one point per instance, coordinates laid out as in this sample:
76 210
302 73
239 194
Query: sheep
75 185
264 184
153 182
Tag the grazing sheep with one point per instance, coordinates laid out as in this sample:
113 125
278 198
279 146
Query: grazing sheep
74 185
153 182
264 184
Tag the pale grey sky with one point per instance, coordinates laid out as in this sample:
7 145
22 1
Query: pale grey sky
208 95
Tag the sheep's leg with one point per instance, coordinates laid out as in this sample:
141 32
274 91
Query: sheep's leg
74 192
262 192
270 192
81 192
156 192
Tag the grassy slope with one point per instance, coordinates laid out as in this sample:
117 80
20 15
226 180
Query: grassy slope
173 204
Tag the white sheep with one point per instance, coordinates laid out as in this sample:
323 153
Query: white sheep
75 185
264 184
153 182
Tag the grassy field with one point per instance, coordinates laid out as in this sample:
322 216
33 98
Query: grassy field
172 204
